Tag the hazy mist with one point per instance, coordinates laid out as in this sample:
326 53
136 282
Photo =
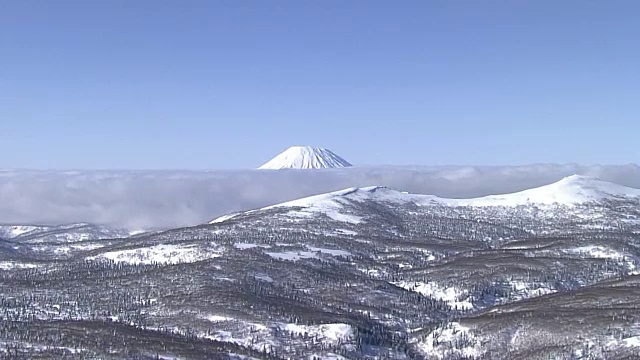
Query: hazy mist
163 199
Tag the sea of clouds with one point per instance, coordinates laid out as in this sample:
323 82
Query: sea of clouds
139 200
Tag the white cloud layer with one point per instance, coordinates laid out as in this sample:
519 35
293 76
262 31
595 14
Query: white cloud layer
163 199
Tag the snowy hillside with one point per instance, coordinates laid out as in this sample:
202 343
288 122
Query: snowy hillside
60 233
305 157
11 231
571 190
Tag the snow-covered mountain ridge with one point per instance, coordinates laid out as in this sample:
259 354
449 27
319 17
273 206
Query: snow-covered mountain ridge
569 191
305 157
67 233
11 231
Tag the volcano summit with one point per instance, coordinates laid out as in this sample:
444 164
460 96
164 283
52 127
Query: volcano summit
305 157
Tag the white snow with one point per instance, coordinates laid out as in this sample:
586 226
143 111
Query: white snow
84 247
65 249
371 272
597 252
313 252
525 290
9 265
160 254
259 336
243 334
233 356
244 246
633 341
263 277
168 357
218 318
329 356
223 218
305 157
331 204
346 232
334 252
292 255
451 341
571 190
455 297
331 333
11 231
40 347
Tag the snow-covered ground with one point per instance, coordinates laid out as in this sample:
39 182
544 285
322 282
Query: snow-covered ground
67 233
454 297
219 318
9 265
277 334
525 290
451 341
38 348
313 252
223 218
330 204
64 249
598 252
333 252
160 254
329 333
244 246
11 231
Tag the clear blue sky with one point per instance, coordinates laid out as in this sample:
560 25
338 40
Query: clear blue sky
227 84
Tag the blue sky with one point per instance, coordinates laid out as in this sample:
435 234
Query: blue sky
228 84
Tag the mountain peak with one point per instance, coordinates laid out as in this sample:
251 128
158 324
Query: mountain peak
305 157
575 178
571 190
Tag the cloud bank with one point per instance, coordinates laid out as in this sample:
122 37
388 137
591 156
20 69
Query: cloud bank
163 199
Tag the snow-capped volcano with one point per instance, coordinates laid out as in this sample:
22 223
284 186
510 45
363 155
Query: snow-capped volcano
305 157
